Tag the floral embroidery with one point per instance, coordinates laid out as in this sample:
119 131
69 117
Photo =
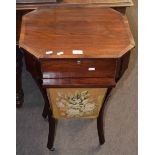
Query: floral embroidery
75 105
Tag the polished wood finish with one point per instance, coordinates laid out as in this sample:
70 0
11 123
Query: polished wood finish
95 33
19 14
108 3
34 4
25 6
79 83
34 1
74 68
121 63
104 36
103 45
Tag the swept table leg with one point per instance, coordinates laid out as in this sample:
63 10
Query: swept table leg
52 129
44 94
100 122
45 111
19 90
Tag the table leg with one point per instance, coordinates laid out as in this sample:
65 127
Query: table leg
44 94
19 90
52 128
100 122
47 112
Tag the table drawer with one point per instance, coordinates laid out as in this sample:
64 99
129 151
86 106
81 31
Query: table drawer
78 68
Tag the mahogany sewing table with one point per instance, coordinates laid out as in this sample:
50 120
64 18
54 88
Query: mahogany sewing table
25 6
75 47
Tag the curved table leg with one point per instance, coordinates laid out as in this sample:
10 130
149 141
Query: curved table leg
44 94
19 90
33 67
47 112
52 129
100 119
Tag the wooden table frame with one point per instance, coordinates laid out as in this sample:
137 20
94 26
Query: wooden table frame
22 10
47 112
29 59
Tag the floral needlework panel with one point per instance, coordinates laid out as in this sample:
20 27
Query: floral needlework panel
76 102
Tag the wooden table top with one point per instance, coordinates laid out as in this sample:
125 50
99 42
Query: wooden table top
93 32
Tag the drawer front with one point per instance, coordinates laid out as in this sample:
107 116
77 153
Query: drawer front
78 68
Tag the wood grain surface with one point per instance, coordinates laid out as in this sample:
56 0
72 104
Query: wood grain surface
33 4
34 1
110 2
98 32
71 69
80 83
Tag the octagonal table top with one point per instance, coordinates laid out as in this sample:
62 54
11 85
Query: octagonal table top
76 32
